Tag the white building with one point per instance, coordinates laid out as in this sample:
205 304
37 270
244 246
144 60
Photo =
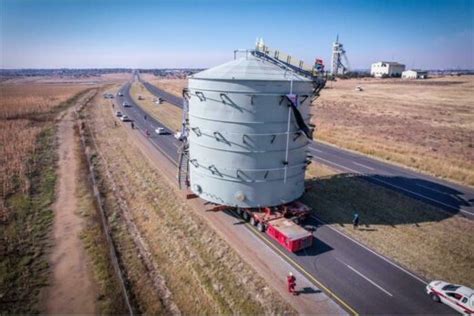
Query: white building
414 74
387 69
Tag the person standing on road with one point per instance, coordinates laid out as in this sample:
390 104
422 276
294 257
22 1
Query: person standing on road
291 281
132 125
145 117
355 221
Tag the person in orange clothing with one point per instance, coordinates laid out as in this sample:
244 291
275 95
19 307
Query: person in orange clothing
291 281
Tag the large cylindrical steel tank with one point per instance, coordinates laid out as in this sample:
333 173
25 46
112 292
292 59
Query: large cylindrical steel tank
240 151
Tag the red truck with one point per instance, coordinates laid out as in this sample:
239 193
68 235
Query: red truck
281 223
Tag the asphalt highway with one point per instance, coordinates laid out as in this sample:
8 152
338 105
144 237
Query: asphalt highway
359 279
450 197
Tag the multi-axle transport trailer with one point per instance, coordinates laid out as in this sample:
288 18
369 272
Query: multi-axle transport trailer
281 223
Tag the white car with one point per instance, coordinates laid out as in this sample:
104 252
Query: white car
124 118
120 94
458 297
160 131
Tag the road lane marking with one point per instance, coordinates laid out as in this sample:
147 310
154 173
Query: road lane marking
316 150
362 165
429 188
369 280
336 164
302 270
370 250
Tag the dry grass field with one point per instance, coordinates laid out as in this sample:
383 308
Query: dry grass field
166 113
424 124
28 156
24 114
417 235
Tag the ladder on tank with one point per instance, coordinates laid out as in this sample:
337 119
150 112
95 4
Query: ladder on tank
183 150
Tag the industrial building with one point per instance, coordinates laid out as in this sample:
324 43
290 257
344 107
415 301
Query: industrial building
414 74
387 69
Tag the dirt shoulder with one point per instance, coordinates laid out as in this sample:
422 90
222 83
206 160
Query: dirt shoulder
72 288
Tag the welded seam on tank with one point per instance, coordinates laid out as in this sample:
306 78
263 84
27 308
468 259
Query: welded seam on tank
240 122
254 151
234 179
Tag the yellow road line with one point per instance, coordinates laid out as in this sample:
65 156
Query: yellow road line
312 278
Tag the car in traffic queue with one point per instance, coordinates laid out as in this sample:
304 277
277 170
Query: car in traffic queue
118 114
124 118
458 297
160 131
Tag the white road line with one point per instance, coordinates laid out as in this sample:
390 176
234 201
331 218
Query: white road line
370 250
336 164
316 150
369 280
429 188
362 165
397 187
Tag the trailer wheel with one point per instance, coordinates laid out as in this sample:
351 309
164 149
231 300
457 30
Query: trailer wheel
246 216
253 221
261 227
239 211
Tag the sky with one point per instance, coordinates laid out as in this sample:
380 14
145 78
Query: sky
423 34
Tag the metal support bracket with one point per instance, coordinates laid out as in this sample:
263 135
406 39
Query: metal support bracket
214 170
220 138
194 162
201 96
186 94
225 99
196 131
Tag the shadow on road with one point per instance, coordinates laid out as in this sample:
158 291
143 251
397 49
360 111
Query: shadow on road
380 200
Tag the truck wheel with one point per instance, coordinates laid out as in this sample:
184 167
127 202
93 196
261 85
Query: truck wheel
261 227
435 298
253 221
239 211
246 216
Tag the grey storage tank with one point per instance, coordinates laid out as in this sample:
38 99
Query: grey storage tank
246 145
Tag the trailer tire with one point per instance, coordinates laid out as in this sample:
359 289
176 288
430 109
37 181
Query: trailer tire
246 216
253 221
261 227
239 211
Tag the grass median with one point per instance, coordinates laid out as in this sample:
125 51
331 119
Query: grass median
421 237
